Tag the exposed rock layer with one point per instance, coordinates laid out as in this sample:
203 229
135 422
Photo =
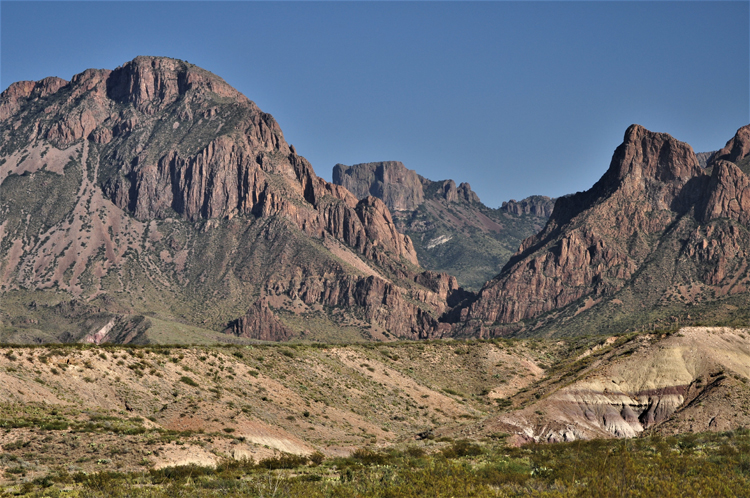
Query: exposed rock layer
537 205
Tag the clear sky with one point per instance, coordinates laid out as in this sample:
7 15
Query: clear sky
517 98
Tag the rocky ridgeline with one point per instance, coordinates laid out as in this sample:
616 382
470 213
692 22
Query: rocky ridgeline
653 206
400 188
156 189
536 205
450 227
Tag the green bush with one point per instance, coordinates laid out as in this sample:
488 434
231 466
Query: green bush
187 380
461 449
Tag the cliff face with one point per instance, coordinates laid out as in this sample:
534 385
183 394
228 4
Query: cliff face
537 205
157 184
728 193
389 181
654 226
451 229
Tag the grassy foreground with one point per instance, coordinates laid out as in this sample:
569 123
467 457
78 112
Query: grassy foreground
709 464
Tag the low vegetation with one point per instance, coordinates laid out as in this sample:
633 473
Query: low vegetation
712 464
275 420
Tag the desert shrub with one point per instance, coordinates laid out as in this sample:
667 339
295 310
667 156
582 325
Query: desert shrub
317 458
179 473
187 380
368 457
462 448
415 452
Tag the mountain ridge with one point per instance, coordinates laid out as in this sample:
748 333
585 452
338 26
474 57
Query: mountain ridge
655 211
451 229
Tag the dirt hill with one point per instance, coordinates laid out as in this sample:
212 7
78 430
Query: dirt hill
129 408
96 408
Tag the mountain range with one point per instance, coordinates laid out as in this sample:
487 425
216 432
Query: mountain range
157 223
155 203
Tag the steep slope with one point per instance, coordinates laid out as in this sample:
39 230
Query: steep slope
158 189
655 241
451 229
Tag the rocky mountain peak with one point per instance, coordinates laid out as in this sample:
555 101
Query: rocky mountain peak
151 83
161 166
657 156
737 148
584 248
447 190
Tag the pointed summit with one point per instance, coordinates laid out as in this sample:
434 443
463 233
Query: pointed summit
654 155
736 149
596 240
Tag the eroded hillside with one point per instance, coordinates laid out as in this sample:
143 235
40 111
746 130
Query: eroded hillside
112 407
131 408
691 380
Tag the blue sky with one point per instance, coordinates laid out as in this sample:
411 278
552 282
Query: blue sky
517 98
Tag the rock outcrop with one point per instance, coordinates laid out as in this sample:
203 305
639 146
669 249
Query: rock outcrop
389 181
736 149
536 205
448 191
728 193
260 323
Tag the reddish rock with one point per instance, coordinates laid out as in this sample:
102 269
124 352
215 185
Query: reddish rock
11 99
260 323
728 193
167 140
737 148
587 246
